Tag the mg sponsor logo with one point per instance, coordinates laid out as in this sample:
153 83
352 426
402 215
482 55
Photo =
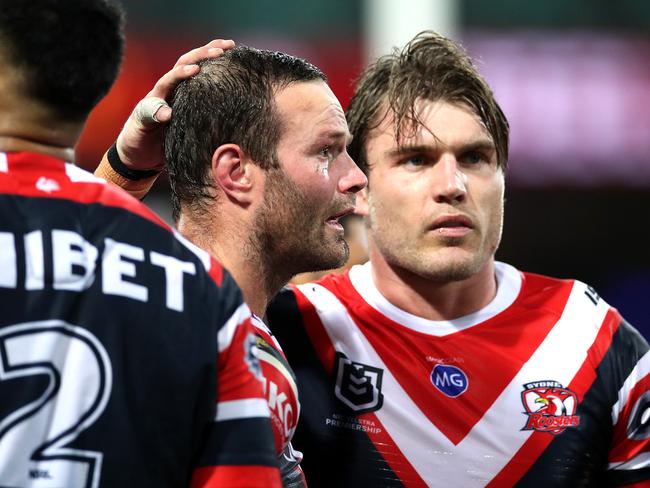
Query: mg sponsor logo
449 380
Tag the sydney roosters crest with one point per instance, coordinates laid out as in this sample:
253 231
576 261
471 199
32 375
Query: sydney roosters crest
550 407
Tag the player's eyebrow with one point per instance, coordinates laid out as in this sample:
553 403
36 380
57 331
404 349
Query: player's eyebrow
480 145
409 149
483 144
336 135
333 137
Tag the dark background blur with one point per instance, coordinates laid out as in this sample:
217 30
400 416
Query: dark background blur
572 77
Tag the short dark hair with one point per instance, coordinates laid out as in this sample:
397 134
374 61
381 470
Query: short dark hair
231 100
70 51
430 67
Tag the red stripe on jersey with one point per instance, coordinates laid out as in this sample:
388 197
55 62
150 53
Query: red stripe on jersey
236 477
586 375
216 271
404 351
625 448
27 169
379 437
234 367
532 449
316 331
398 463
279 386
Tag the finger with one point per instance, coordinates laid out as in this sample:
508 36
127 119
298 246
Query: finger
145 111
185 67
164 114
165 86
224 44
211 49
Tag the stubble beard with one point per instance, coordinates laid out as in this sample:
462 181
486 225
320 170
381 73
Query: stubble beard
439 263
289 234
431 265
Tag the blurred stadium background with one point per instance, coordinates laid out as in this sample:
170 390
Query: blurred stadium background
572 77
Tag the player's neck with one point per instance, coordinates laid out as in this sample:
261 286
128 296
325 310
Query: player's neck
26 125
256 295
228 244
443 300
259 278
17 144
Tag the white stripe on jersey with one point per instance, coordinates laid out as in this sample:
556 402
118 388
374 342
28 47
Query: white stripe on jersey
639 461
496 438
78 175
273 361
4 165
227 331
259 324
200 253
641 369
242 409
508 279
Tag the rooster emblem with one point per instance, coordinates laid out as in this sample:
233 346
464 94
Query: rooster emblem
550 407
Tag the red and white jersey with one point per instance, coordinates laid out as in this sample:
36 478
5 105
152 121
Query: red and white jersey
281 393
280 385
127 356
546 385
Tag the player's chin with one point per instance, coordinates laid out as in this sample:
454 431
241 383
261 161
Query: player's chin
334 253
453 264
470 266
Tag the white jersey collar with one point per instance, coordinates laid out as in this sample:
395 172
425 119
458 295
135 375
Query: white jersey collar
509 281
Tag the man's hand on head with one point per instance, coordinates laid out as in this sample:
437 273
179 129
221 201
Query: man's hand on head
139 144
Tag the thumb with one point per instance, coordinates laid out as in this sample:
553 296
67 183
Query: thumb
151 111
163 114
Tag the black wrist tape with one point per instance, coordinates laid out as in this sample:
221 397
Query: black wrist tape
128 173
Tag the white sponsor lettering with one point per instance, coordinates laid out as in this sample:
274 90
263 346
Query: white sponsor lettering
34 261
8 273
72 253
276 402
74 263
443 379
116 266
174 270
279 409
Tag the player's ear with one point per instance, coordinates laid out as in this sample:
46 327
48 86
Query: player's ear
361 206
232 171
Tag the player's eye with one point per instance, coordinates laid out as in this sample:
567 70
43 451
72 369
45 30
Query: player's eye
415 161
325 152
473 157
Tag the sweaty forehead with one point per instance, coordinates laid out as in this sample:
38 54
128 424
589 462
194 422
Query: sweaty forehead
311 107
436 122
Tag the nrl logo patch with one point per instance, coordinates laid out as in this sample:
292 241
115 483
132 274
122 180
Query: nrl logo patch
550 407
358 385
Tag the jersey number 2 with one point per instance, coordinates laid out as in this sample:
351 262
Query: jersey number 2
33 437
